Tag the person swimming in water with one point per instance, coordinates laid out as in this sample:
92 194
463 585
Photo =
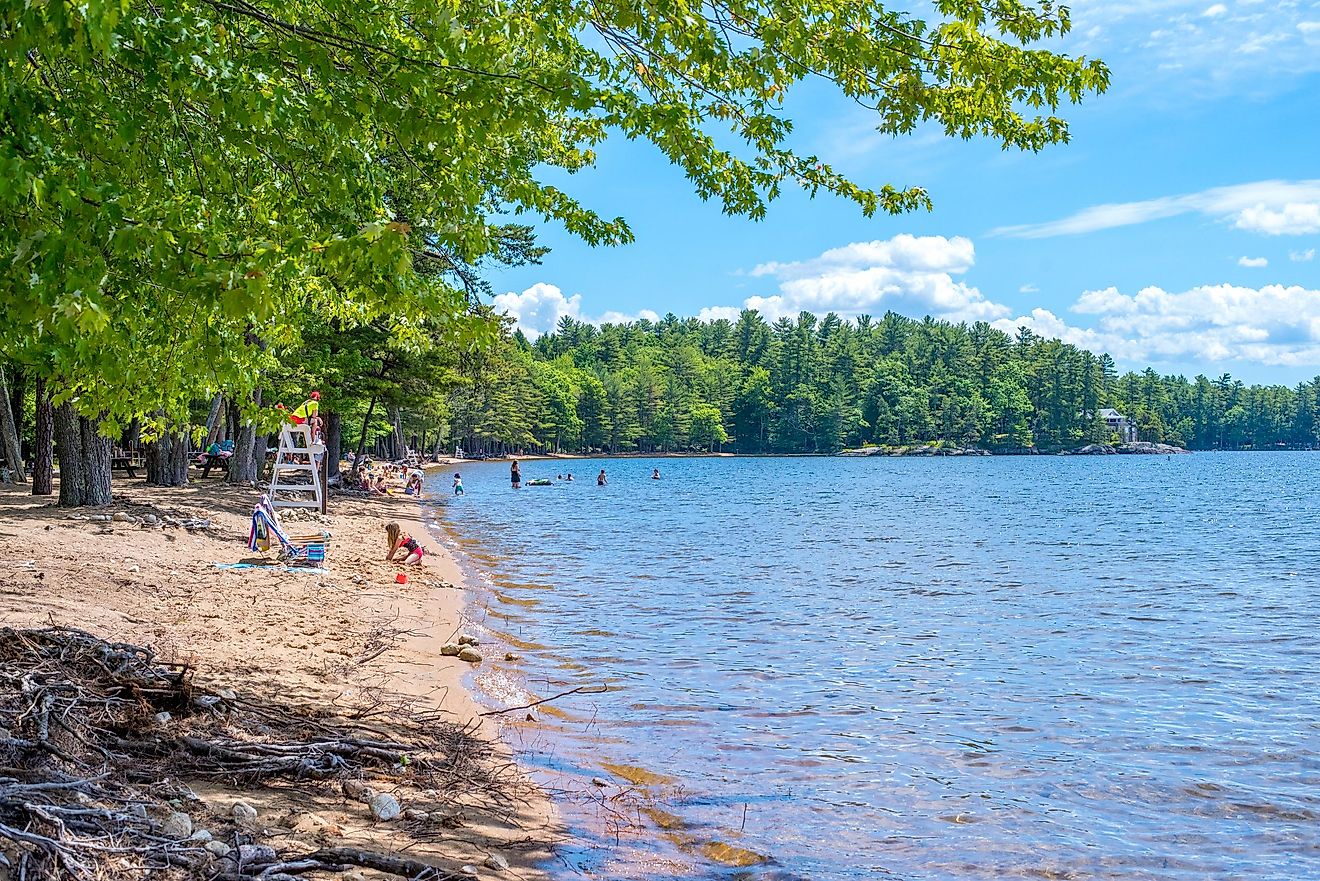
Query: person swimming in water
655 474
600 478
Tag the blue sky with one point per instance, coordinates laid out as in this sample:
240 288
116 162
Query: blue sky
1179 229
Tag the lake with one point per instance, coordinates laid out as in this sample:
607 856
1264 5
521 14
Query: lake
828 668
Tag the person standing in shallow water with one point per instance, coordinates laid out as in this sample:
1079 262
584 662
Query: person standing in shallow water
655 474
515 475
600 478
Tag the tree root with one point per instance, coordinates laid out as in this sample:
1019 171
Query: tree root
90 764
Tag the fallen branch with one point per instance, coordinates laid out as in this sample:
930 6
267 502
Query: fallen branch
581 689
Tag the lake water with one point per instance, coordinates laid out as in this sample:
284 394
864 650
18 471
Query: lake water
1045 667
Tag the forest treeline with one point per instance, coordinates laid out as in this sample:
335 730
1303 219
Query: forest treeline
818 385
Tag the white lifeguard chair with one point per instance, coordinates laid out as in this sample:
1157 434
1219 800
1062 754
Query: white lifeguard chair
295 481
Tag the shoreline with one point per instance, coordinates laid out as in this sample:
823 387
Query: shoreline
336 640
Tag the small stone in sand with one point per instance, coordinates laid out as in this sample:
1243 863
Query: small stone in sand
251 853
470 871
414 814
497 862
468 639
216 848
355 790
244 815
450 649
469 654
596 781
510 656
177 825
384 806
163 717
200 835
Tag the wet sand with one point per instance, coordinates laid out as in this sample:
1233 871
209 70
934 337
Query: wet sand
346 638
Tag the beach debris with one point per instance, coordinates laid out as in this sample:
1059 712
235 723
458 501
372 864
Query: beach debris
177 825
450 649
468 639
244 815
510 656
65 693
135 568
469 654
150 520
384 806
414 814
497 862
122 517
162 717
598 781
98 518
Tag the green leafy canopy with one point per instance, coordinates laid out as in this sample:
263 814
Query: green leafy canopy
183 185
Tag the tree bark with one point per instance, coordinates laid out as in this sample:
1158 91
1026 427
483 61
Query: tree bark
69 448
398 447
242 465
17 393
362 436
9 434
167 460
334 442
43 465
96 462
213 419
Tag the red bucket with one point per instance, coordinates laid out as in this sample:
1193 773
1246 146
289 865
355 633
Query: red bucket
401 578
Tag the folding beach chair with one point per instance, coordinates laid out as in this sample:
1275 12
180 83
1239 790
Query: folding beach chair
309 548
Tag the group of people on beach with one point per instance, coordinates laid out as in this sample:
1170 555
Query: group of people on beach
383 480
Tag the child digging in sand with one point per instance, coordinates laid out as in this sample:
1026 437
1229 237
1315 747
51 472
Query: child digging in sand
402 541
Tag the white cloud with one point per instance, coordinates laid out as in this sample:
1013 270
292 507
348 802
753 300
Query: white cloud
1173 50
1271 207
1305 256
1293 218
1253 262
538 309
909 274
1273 325
1028 289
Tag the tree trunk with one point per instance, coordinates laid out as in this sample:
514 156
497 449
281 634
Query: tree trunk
68 446
334 442
213 419
17 394
398 447
362 436
43 465
96 463
167 460
243 464
9 434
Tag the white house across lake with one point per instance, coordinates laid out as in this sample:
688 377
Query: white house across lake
1119 424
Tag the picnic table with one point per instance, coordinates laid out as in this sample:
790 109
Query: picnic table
213 460
127 461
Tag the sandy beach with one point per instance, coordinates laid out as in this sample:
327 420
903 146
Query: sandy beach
343 640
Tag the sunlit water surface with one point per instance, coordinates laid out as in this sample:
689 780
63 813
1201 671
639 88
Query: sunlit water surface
1040 667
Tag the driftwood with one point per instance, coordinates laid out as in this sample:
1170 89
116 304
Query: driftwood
91 764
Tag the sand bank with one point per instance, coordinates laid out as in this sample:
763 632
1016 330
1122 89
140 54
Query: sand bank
348 638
